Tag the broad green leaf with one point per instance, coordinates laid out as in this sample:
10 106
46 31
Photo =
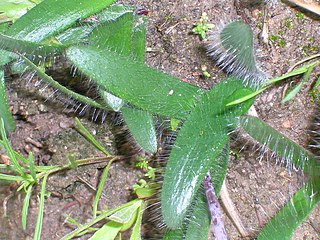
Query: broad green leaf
108 231
141 127
5 113
39 23
6 57
174 234
124 215
281 145
113 12
199 142
235 54
25 207
74 35
139 39
37 231
218 169
115 35
136 83
282 226
198 225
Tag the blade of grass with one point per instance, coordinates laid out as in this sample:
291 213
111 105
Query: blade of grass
32 166
4 106
37 232
10 177
87 135
25 207
9 149
100 188
294 91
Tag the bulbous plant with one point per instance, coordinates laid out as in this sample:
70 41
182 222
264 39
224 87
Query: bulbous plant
109 48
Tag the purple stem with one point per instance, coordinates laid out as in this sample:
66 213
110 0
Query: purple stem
214 209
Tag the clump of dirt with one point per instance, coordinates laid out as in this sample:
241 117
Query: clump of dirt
258 187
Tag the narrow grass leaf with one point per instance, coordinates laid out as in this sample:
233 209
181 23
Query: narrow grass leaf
141 127
37 231
25 207
124 215
88 136
297 88
283 225
11 153
102 182
11 178
32 166
5 113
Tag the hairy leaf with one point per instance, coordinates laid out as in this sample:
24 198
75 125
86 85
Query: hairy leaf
39 23
199 143
282 226
141 126
136 83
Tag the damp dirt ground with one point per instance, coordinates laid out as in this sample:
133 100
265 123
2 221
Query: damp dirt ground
257 185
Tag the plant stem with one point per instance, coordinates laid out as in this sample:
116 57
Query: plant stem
217 224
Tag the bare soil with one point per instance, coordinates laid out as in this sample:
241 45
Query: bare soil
258 186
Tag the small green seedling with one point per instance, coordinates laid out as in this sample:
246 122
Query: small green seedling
202 27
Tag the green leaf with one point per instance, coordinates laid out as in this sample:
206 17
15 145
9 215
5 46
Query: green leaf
139 39
281 145
198 144
198 225
108 231
32 48
115 35
6 57
136 83
5 113
39 23
235 54
25 207
174 234
136 235
32 166
124 215
297 88
112 101
10 177
140 124
282 226
37 231
102 182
